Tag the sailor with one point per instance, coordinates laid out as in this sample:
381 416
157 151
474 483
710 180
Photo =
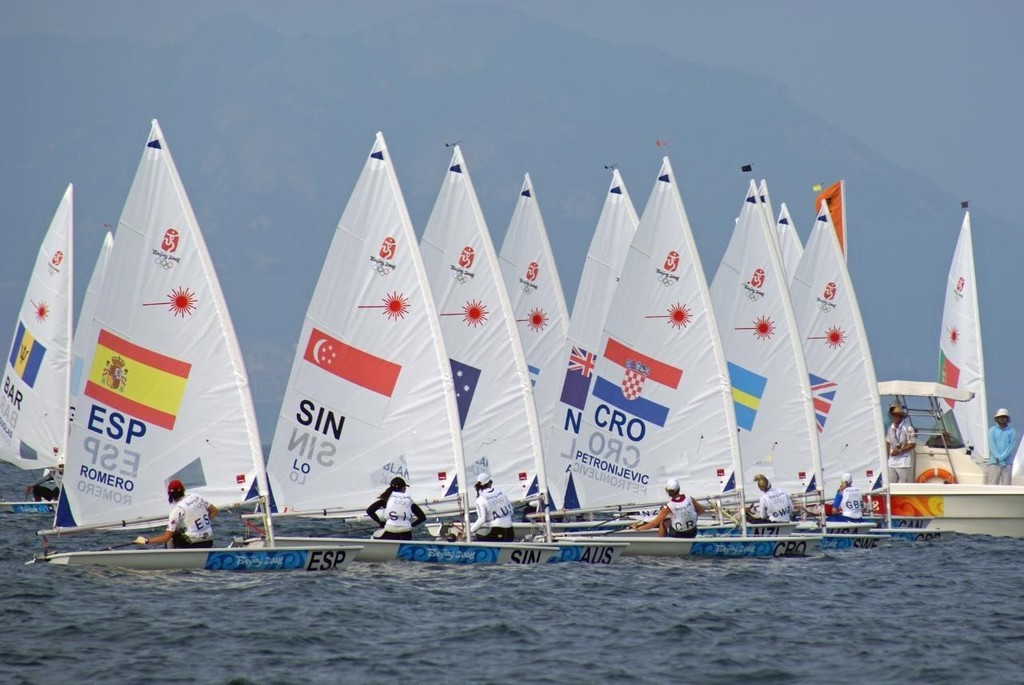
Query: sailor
678 518
900 440
847 505
49 485
1002 438
493 512
401 514
190 523
774 506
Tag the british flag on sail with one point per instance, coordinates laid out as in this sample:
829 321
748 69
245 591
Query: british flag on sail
824 394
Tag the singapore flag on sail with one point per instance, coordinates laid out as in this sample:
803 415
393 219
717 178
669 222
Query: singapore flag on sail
346 379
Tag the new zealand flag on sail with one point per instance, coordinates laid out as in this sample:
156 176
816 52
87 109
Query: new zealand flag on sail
466 378
577 378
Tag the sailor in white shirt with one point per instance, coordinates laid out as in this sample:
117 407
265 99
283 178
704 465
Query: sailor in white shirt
190 523
774 506
678 518
901 441
494 512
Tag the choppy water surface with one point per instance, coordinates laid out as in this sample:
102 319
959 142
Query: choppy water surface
904 613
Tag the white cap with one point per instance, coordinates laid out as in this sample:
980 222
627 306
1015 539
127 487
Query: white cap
1002 412
847 478
484 478
672 485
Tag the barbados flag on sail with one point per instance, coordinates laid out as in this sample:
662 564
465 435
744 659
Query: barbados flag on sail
637 370
747 391
26 355
137 381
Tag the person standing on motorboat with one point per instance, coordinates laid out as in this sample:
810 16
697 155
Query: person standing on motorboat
1002 438
190 524
847 505
400 512
678 518
774 506
900 442
493 512
48 487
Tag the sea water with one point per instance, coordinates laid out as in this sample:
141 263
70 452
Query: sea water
945 612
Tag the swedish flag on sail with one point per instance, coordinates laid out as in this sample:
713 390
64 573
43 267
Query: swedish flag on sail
747 391
26 355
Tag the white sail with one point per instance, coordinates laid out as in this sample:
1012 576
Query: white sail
370 392
842 375
85 330
961 361
655 402
500 434
774 410
789 242
563 391
166 393
34 408
528 267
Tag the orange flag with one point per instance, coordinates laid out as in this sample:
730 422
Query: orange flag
833 197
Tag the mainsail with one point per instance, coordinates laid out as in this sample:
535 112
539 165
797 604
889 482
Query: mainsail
961 361
842 375
500 434
370 393
789 242
772 399
34 408
166 394
654 401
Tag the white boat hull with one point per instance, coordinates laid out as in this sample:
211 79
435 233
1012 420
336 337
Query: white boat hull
306 558
426 551
968 509
726 546
27 507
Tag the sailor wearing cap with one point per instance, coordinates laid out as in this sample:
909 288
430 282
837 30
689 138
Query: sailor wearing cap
1002 438
49 485
678 518
900 442
493 512
190 523
847 505
401 514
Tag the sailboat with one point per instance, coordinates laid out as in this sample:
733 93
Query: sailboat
961 361
657 403
767 371
33 411
166 394
840 370
370 395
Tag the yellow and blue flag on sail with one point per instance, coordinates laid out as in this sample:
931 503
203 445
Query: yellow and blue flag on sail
26 355
747 391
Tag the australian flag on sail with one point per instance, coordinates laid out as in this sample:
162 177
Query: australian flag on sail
823 393
466 378
577 378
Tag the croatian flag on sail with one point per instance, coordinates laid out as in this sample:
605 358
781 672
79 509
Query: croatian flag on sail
824 394
466 378
637 369
577 378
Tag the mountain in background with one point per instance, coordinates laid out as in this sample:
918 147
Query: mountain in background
269 132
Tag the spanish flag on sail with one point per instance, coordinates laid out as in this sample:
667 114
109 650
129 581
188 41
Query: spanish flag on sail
833 197
26 355
137 381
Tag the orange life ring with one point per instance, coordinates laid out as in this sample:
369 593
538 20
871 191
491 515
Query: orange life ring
936 472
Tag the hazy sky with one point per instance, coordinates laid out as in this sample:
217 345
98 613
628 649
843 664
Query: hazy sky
933 85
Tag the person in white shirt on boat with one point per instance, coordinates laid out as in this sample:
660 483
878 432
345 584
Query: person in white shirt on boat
848 504
1002 438
49 485
401 514
678 518
493 512
900 441
774 506
190 523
